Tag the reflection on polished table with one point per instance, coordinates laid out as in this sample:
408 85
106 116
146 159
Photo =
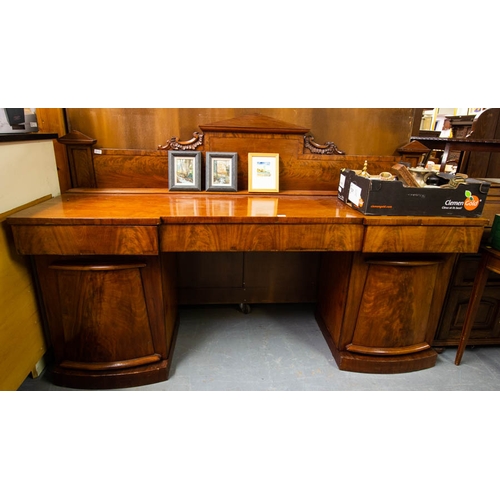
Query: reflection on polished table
107 265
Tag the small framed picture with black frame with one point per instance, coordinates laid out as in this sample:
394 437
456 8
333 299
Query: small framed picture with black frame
184 170
221 171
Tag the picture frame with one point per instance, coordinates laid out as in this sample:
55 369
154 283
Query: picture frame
221 171
263 172
184 170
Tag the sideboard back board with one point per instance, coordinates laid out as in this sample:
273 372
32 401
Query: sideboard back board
304 164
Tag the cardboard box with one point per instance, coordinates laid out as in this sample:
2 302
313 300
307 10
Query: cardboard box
373 196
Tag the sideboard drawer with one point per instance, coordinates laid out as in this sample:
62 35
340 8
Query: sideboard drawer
86 240
427 239
260 237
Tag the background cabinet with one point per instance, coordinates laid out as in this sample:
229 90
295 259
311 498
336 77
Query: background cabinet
486 329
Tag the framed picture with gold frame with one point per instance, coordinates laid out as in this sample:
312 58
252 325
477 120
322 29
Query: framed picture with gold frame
263 172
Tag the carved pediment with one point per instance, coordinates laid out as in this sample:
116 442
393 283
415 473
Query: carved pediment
257 124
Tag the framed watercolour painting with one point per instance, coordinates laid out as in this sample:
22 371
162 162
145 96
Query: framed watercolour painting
184 170
263 173
221 171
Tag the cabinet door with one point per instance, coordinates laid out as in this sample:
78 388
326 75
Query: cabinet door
104 315
392 311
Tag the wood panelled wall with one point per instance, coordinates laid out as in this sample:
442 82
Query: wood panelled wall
356 131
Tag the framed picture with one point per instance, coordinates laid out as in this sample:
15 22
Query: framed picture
263 172
221 171
184 170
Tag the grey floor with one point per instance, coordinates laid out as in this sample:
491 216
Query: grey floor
280 348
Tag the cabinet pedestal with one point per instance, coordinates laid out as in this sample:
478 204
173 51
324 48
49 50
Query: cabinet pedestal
379 313
112 321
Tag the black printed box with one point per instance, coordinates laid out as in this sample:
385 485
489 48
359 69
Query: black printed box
373 196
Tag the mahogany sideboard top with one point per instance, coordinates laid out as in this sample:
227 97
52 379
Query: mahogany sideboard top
146 222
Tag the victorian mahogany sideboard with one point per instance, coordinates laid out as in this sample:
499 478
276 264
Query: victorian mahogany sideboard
108 257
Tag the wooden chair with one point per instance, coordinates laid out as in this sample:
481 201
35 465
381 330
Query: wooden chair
490 261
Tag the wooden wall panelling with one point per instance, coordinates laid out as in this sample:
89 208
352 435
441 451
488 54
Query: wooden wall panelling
357 131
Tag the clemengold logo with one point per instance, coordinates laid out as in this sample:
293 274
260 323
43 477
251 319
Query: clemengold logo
471 201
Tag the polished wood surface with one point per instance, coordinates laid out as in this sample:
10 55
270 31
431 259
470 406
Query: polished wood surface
102 207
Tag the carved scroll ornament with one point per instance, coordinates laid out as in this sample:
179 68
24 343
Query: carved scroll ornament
328 148
176 145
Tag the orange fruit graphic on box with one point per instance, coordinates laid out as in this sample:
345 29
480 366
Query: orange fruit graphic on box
471 202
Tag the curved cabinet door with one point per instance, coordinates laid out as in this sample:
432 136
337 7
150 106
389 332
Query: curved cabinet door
394 307
105 317
380 313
